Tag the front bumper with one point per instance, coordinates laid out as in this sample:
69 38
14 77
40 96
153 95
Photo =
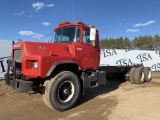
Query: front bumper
17 84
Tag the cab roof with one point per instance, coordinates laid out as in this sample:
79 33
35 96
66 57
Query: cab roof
68 24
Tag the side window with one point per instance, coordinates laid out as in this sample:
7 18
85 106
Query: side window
86 37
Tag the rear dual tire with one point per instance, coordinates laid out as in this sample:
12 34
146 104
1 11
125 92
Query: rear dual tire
139 75
131 75
148 74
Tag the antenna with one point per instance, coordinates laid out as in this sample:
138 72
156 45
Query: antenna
73 12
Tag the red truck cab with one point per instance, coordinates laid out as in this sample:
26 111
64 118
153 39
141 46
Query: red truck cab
71 45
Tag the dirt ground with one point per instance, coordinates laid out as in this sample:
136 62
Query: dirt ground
118 100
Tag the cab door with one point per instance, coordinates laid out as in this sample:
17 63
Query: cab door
90 51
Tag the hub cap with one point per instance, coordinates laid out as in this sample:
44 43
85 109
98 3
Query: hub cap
66 91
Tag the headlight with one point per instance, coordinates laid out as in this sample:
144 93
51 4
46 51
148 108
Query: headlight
35 64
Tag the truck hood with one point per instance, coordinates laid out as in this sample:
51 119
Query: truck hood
42 48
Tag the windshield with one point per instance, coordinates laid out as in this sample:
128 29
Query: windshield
69 34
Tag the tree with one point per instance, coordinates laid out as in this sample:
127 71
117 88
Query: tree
127 43
156 41
142 43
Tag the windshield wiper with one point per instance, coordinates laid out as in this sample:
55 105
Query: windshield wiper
63 42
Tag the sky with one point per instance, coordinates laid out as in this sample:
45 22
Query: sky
33 20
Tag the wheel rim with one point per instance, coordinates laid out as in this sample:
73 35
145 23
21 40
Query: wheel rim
149 74
142 77
66 91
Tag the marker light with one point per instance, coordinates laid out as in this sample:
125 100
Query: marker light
51 53
63 23
79 22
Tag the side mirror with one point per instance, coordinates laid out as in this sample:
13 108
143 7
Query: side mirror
92 34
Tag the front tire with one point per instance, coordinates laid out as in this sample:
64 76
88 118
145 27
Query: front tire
64 90
45 94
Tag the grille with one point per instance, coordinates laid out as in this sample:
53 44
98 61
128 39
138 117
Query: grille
17 56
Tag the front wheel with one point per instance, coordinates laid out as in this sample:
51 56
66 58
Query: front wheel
64 90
